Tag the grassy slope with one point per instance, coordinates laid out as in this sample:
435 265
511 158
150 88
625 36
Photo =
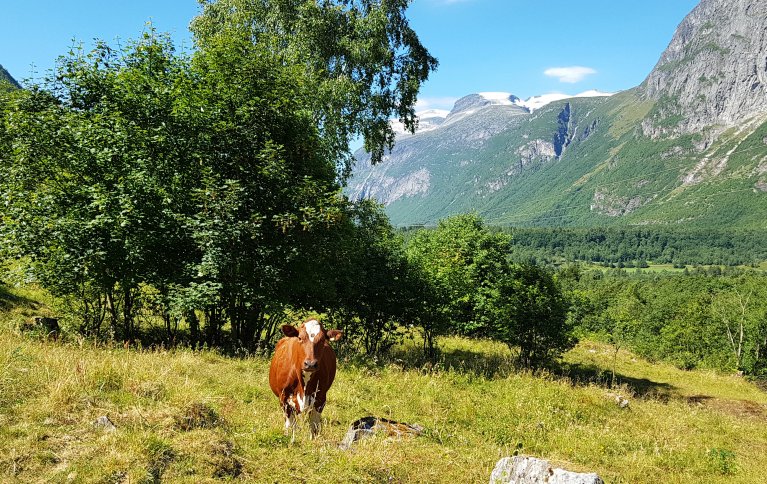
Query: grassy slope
680 426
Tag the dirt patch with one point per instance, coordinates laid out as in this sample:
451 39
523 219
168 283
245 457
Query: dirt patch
737 408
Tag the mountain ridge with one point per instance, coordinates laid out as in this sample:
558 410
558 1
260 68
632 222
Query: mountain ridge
653 154
6 76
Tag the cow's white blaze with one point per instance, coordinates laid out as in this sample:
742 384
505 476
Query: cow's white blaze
312 329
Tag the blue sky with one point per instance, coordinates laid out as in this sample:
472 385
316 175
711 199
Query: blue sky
482 45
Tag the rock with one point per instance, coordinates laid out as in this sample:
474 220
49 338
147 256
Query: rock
619 399
713 71
105 424
530 470
368 426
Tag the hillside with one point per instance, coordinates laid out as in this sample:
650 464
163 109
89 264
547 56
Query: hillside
687 146
197 416
6 76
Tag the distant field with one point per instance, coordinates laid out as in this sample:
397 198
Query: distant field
651 267
186 416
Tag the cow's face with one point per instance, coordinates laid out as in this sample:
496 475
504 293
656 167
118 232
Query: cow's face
311 336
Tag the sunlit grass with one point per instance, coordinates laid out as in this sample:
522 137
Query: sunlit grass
476 406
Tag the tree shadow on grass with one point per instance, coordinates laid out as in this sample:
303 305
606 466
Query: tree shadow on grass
8 300
474 363
496 365
580 375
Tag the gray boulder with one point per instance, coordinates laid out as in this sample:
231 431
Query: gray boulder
529 470
369 426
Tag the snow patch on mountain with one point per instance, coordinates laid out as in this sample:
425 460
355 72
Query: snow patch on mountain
427 120
537 102
502 98
431 119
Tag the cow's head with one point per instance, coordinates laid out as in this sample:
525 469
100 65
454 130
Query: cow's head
312 336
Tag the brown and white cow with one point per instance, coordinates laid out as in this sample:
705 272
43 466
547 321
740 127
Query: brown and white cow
303 368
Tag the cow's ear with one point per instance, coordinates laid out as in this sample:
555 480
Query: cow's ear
290 331
335 335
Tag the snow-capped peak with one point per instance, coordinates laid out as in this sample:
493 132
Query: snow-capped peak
432 113
503 98
537 102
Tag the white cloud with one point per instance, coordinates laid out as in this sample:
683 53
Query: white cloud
435 103
570 74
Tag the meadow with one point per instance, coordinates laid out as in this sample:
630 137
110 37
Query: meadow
199 416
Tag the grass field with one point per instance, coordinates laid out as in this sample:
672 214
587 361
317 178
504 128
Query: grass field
196 416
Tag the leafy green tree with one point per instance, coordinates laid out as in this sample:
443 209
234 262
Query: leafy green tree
359 61
89 184
372 295
530 313
463 259
212 178
741 309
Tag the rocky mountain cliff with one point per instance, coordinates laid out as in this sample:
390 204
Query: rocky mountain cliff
713 75
689 145
6 76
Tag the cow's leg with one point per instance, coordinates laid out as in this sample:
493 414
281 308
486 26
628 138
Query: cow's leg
288 407
315 422
290 424
315 414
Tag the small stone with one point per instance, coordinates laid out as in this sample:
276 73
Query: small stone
105 424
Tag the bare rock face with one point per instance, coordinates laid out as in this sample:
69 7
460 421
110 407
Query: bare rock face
714 71
529 470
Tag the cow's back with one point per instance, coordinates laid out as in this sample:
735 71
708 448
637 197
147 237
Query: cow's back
283 372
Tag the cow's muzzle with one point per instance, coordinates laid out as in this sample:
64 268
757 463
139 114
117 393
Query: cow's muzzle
310 365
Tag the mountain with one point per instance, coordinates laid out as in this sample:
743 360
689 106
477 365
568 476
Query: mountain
687 146
5 76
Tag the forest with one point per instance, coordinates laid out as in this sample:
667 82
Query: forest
635 246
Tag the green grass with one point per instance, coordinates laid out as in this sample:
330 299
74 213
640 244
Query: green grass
185 416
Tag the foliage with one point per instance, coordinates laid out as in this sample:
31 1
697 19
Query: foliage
476 291
632 246
361 61
376 293
530 312
695 320
462 259
88 184
207 186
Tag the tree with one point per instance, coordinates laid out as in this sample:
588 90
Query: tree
530 313
463 260
90 185
741 310
360 61
374 296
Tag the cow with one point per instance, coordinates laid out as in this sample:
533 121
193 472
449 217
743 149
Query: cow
302 370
